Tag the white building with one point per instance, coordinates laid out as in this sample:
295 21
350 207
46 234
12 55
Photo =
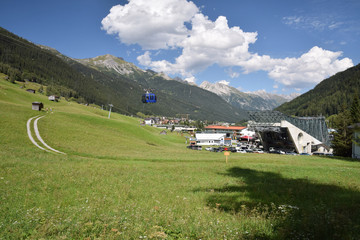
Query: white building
247 132
210 139
149 121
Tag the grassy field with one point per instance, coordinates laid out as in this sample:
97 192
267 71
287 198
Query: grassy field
120 180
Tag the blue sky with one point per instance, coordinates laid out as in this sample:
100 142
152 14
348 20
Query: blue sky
279 46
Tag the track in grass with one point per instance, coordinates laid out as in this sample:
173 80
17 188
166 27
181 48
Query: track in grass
36 129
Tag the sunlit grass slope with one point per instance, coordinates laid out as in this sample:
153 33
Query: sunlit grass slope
120 180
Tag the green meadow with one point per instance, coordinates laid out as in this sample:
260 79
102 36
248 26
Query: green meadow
121 180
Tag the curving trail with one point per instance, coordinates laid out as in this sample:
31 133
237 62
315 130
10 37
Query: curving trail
36 129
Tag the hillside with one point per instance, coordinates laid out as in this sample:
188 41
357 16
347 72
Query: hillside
121 180
328 97
78 129
21 60
250 101
175 97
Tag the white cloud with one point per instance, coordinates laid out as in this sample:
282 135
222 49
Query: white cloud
152 24
232 73
224 82
309 22
190 79
158 25
209 43
309 69
318 23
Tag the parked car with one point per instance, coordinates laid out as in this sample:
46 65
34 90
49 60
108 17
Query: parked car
258 151
209 148
319 153
240 151
219 149
194 147
276 152
305 154
232 149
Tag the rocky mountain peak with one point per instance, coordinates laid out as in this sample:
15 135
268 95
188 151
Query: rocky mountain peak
217 88
111 62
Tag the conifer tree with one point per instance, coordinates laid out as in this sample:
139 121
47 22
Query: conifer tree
343 138
355 109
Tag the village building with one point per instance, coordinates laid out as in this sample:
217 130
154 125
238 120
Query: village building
234 132
149 121
210 139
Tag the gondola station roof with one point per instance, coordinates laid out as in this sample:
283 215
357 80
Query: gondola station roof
216 127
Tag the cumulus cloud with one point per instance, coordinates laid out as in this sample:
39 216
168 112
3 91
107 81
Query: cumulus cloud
311 67
152 24
179 24
208 43
190 80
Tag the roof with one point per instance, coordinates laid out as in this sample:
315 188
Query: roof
37 103
225 127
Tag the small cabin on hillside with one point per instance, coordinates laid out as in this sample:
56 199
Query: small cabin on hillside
37 106
54 98
30 90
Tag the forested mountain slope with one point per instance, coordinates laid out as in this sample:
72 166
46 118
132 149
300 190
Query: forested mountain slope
328 97
21 59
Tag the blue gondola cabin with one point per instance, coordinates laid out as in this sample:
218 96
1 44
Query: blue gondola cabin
148 98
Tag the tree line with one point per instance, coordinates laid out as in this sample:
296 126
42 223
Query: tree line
328 97
344 123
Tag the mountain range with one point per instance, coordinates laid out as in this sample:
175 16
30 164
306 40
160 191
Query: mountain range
248 101
107 79
259 100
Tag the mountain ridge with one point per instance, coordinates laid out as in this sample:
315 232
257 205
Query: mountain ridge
164 86
327 98
22 60
260 100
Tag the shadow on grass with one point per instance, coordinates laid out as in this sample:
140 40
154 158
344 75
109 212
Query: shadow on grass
296 208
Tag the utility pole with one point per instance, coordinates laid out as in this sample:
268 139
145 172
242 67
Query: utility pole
110 109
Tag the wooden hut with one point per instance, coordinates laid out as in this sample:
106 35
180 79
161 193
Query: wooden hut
37 106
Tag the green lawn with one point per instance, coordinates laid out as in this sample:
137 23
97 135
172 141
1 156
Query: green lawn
120 180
